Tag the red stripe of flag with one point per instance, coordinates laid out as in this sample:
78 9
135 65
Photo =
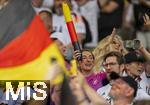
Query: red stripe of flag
27 46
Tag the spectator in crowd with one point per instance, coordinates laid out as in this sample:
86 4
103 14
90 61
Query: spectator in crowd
134 64
134 67
141 7
123 90
37 4
89 9
60 26
111 43
113 62
111 16
46 16
66 52
145 76
61 46
86 66
127 31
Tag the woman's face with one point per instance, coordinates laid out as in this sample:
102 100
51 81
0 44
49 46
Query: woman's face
87 62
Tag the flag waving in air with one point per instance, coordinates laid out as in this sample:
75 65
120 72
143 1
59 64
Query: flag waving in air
25 47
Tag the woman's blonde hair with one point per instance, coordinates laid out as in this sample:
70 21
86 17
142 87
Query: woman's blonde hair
103 48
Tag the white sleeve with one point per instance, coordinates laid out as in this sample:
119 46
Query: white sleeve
142 95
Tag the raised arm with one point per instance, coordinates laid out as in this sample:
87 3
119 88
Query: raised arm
91 94
144 52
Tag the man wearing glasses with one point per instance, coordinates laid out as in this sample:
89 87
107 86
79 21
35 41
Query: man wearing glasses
113 62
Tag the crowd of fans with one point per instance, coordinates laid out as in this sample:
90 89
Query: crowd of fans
116 68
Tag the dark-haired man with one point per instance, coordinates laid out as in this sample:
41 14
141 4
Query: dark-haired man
113 62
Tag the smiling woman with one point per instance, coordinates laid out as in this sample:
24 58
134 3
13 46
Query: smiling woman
95 80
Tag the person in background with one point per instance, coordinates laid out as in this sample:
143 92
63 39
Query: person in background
124 90
89 9
145 76
60 43
94 79
37 4
113 62
111 15
134 66
111 43
142 7
60 26
46 16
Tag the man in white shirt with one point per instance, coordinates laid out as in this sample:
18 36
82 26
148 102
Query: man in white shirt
134 68
145 76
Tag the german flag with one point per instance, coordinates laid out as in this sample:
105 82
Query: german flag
25 47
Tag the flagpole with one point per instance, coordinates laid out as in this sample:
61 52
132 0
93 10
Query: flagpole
71 28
